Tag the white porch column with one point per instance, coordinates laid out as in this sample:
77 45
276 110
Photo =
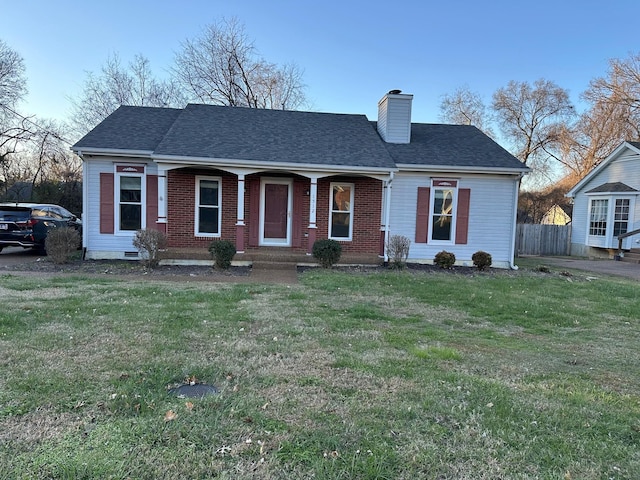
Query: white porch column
386 217
240 226
313 201
162 199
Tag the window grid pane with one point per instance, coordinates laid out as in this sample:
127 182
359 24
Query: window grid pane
209 192
598 217
621 217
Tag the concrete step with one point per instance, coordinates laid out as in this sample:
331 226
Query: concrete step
631 257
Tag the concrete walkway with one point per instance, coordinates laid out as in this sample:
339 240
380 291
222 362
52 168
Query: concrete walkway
272 272
609 267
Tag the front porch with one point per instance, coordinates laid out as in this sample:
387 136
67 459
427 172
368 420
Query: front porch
263 256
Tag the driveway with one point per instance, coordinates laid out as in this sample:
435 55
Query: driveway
609 267
18 255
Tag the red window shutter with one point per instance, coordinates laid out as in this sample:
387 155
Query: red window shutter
422 214
152 202
462 216
254 213
296 228
106 203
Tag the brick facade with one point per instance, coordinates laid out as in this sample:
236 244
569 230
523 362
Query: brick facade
181 189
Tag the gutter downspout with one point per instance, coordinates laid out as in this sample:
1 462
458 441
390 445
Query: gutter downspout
85 195
387 215
512 254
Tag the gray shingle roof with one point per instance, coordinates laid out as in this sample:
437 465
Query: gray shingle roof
275 136
451 145
131 128
278 136
613 187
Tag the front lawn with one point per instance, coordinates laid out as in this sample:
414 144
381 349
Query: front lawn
387 375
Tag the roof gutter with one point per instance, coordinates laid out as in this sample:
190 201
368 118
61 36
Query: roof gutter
463 169
114 152
288 166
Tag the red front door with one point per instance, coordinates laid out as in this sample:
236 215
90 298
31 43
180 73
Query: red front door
275 225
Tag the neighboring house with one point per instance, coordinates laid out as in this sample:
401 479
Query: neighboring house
556 215
605 204
268 179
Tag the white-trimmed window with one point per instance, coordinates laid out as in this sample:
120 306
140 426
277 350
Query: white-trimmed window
598 217
208 203
130 195
621 216
341 211
443 212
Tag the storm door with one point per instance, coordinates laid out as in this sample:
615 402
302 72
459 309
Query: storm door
275 214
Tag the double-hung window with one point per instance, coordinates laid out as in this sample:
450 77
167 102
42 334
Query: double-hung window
621 216
341 211
208 202
443 214
130 196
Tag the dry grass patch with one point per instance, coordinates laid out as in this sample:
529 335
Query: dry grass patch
345 376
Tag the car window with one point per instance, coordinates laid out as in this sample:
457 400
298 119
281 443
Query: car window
37 212
53 213
10 215
63 212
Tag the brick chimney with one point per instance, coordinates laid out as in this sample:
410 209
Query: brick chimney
394 117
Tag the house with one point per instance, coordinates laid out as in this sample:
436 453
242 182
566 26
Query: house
556 215
280 180
605 205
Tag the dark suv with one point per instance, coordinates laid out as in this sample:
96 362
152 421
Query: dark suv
26 224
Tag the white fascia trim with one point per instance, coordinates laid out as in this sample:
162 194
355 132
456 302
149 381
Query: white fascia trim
611 194
113 152
284 166
578 186
461 169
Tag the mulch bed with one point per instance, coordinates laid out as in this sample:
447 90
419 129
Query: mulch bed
122 268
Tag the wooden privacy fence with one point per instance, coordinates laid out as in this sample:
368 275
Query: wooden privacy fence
532 239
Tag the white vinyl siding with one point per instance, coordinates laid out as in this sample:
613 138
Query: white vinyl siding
104 246
624 169
491 216
394 118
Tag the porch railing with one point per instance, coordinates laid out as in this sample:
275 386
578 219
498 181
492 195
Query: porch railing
625 235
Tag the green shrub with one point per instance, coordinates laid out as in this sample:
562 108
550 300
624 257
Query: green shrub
327 252
222 252
149 244
61 242
398 250
444 259
481 259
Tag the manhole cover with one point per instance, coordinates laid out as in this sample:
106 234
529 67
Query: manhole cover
197 390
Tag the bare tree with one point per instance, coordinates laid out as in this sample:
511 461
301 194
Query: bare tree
14 128
533 118
118 85
613 116
12 76
464 107
222 67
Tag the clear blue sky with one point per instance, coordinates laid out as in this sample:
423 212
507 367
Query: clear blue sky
351 51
